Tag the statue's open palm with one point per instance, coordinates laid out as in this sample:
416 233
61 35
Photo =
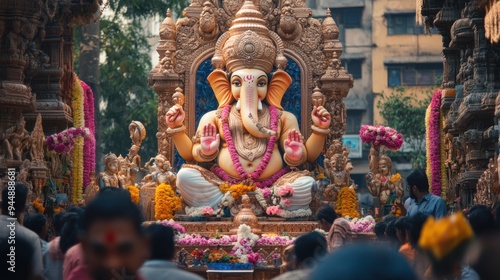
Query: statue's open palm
294 148
210 140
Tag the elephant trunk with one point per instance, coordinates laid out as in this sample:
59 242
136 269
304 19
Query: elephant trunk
249 114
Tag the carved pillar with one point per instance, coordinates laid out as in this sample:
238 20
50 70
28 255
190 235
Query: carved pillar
164 81
336 81
19 22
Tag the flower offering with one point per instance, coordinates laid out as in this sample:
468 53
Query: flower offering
381 136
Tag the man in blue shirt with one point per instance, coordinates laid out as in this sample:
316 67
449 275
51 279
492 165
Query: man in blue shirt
421 200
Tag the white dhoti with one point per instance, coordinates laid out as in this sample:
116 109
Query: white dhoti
200 187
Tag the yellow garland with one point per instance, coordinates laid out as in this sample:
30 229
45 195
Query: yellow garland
347 201
238 190
441 237
134 193
427 144
78 121
395 178
38 206
320 176
444 179
224 188
166 202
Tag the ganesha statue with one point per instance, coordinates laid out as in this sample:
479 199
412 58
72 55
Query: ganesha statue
249 138
380 180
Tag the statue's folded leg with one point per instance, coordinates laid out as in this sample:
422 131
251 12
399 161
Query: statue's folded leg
302 185
195 189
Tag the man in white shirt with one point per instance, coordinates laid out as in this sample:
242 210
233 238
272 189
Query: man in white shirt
13 205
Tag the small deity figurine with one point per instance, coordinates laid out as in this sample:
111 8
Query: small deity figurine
381 182
249 137
134 160
137 133
337 168
110 175
124 172
15 140
161 172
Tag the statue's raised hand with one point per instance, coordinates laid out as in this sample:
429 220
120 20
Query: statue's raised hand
320 117
209 139
294 148
175 116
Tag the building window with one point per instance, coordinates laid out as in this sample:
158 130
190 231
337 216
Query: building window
348 17
353 121
421 74
354 67
403 24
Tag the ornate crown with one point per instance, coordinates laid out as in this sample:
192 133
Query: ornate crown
249 44
110 157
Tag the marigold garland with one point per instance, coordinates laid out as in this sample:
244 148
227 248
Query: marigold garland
78 121
134 193
166 202
224 188
395 178
444 176
38 206
238 190
346 203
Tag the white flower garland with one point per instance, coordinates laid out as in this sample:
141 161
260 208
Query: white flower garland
194 211
295 213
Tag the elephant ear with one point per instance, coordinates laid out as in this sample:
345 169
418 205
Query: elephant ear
220 85
277 87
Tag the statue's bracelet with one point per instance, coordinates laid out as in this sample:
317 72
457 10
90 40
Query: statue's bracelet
173 131
321 131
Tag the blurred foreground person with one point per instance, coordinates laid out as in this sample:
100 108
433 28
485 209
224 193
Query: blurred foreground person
487 263
21 268
310 249
379 230
446 242
325 216
113 243
403 229
364 262
70 240
37 223
338 235
289 259
159 265
9 220
481 220
421 261
391 235
53 258
421 200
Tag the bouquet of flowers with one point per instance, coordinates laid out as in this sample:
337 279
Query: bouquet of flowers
381 136
199 240
273 240
285 191
197 254
178 229
365 224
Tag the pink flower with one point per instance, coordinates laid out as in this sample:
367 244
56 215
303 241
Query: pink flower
273 210
266 192
286 202
207 211
285 191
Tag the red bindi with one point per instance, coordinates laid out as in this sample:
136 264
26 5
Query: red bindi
110 237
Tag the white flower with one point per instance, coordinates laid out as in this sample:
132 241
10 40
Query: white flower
244 259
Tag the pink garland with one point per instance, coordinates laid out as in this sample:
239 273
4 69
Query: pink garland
434 131
89 143
64 141
381 136
260 184
254 176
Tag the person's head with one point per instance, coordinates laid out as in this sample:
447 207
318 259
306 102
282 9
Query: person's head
403 228
379 230
38 224
481 219
58 222
310 249
114 192
417 183
417 223
326 215
389 218
71 229
162 238
113 240
20 259
14 199
364 262
391 233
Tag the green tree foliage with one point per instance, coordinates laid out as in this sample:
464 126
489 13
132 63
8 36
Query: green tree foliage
405 113
124 94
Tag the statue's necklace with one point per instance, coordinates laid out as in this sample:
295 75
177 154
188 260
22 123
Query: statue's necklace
254 176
